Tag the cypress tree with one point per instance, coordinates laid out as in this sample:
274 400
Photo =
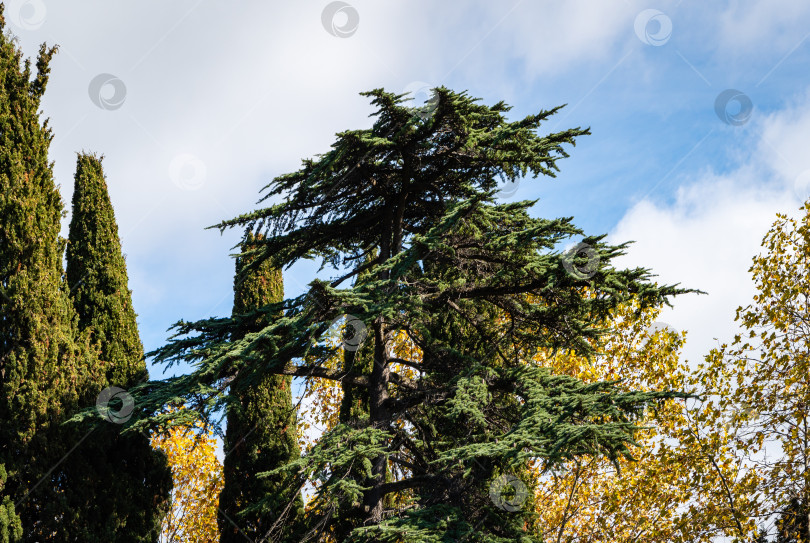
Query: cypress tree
10 526
261 427
45 362
408 210
117 486
97 273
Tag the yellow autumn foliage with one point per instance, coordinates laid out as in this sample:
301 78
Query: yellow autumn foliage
198 480
688 481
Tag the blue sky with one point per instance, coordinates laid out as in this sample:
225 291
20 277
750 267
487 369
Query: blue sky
205 102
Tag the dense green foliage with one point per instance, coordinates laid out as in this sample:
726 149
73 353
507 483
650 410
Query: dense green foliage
354 412
97 273
45 362
261 429
10 526
134 499
407 210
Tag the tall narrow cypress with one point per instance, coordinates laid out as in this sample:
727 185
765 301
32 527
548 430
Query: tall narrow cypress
118 486
97 273
45 363
261 427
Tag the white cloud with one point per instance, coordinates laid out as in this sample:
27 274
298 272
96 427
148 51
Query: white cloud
550 38
707 237
745 25
783 145
705 241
